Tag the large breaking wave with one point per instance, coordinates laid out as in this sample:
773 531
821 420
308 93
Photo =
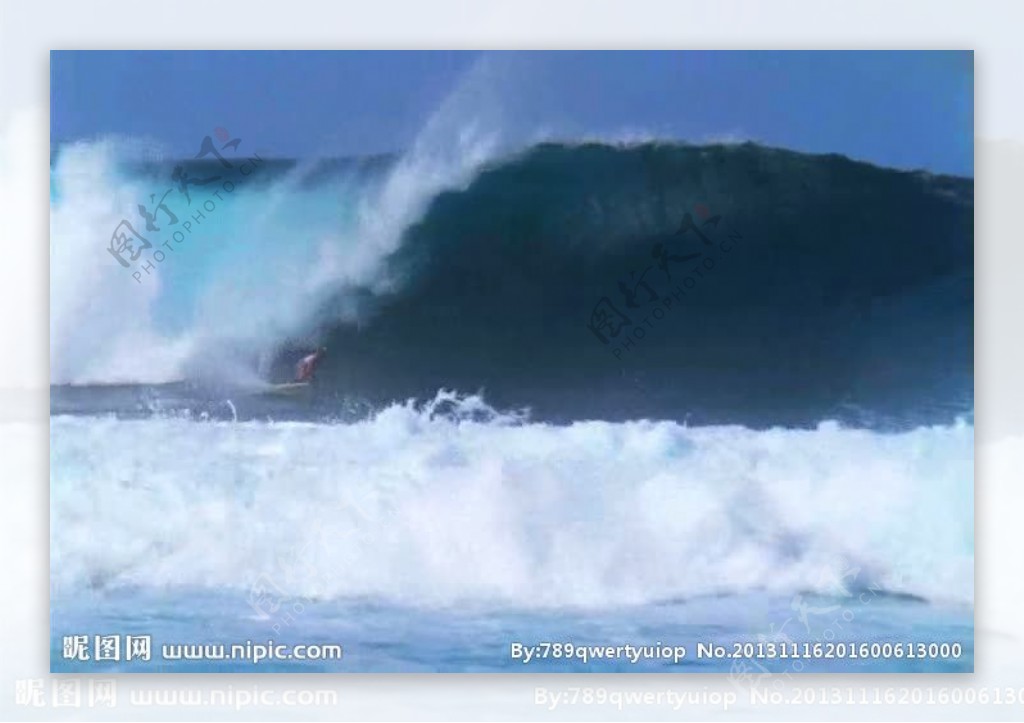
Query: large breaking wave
845 286
805 285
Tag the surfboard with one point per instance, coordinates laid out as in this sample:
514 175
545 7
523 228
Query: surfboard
290 388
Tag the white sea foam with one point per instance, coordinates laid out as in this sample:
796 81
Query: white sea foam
418 507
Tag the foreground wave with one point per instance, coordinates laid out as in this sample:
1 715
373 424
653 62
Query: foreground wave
451 502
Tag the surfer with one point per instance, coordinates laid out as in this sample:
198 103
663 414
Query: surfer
307 365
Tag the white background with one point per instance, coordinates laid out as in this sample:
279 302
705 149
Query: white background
28 30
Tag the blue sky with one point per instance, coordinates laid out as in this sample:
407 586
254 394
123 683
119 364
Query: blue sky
900 109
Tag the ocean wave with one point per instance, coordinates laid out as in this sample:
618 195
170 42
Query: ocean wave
725 283
730 283
452 502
